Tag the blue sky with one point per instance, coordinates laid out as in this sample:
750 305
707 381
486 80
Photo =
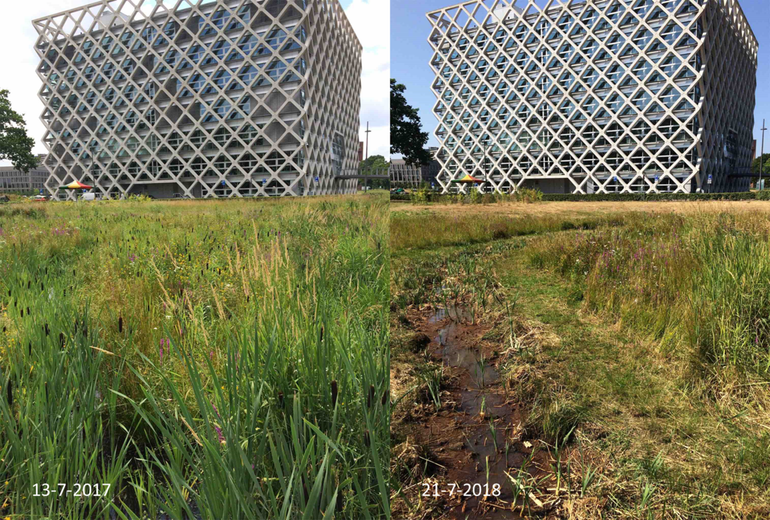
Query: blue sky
410 54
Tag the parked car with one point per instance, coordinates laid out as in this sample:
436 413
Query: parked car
40 198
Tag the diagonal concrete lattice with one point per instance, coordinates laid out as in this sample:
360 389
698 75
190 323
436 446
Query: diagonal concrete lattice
600 96
201 98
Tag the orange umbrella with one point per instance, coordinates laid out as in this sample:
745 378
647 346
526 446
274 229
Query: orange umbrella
77 185
468 179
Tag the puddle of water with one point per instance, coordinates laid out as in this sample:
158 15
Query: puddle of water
455 313
488 419
455 354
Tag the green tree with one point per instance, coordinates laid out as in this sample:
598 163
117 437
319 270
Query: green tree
375 162
406 135
765 165
15 144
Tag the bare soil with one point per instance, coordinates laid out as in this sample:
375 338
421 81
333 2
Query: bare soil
477 437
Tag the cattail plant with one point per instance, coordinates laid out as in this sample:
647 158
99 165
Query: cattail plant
334 393
9 392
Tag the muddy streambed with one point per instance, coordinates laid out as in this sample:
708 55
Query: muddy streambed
476 437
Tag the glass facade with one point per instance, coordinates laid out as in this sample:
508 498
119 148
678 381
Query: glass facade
209 99
594 97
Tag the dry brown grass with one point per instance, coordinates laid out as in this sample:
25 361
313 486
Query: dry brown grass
585 208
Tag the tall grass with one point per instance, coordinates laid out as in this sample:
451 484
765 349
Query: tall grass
702 281
431 230
213 360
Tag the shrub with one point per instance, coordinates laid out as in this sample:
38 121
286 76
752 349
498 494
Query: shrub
420 196
528 195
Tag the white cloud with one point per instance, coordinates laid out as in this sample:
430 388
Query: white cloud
18 61
371 21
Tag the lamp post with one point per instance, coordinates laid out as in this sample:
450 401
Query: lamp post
367 139
762 154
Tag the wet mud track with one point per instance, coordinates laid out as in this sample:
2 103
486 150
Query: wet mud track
476 437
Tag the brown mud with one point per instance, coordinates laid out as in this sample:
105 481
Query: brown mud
476 439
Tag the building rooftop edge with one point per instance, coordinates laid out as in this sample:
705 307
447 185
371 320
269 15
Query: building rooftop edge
503 4
200 4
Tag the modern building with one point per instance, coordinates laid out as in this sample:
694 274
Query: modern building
201 98
576 96
13 180
407 175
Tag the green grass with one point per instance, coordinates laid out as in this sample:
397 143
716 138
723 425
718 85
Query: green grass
699 284
428 230
227 359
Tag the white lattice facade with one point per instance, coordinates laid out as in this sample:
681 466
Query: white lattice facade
576 96
201 98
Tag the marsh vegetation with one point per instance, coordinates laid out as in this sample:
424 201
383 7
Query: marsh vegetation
205 359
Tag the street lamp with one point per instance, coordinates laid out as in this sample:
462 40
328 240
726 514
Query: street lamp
762 154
